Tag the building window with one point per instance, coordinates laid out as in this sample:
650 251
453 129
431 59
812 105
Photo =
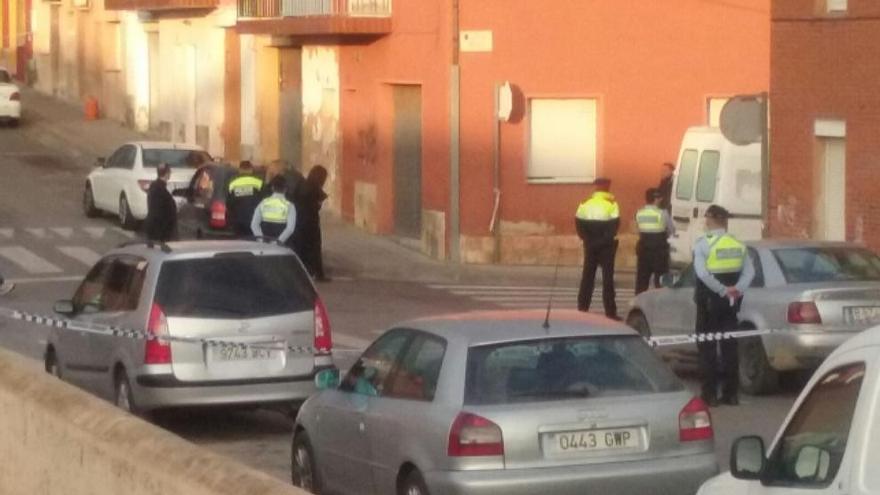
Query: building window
562 140
835 6
713 110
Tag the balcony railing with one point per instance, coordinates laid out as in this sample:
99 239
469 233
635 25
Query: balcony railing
160 4
313 8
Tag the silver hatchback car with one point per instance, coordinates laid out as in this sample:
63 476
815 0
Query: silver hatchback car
235 291
493 403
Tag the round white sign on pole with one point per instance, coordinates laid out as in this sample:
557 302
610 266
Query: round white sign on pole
741 120
505 102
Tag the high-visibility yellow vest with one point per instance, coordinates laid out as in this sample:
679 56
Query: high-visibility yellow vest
274 210
726 254
651 220
600 207
245 185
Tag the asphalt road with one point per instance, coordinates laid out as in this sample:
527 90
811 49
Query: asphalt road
47 244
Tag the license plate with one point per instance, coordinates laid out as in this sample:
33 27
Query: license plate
862 315
242 354
593 440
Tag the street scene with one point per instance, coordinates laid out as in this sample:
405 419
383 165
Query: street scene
335 247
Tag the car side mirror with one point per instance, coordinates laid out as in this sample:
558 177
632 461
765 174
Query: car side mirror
64 308
668 280
327 379
747 458
812 464
101 162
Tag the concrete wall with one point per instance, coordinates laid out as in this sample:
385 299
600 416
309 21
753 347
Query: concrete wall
320 99
824 67
58 440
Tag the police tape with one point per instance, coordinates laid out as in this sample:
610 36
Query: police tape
115 331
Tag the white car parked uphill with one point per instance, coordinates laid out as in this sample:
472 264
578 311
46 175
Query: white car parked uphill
119 184
10 98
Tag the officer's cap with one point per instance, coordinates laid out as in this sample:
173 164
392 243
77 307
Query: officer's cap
717 212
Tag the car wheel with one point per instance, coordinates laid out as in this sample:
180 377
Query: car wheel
637 321
413 484
89 207
303 470
756 376
126 220
123 397
51 364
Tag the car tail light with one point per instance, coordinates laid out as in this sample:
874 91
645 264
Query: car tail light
144 185
218 215
474 436
16 96
156 351
804 312
323 338
695 422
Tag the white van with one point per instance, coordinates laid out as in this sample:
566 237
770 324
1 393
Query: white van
712 170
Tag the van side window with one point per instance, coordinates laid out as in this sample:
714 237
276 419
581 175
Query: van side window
810 451
684 188
708 175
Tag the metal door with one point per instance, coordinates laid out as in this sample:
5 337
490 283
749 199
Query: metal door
830 209
290 99
408 160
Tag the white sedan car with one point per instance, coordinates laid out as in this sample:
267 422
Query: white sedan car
10 98
119 184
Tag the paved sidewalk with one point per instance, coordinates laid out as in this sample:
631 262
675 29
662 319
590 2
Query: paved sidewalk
349 252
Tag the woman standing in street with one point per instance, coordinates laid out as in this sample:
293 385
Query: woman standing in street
309 197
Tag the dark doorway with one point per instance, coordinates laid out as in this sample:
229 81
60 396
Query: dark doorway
290 113
408 161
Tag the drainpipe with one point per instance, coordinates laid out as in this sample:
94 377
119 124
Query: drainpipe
495 225
454 142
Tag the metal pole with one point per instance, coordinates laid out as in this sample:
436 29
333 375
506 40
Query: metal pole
454 144
496 183
765 162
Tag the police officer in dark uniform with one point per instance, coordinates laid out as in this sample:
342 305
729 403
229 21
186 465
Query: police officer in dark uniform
724 271
652 251
597 220
245 193
275 216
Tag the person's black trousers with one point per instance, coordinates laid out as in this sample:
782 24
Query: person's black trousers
594 258
653 262
715 314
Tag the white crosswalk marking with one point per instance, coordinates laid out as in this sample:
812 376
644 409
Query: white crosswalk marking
523 297
28 260
39 233
95 232
124 232
82 254
65 232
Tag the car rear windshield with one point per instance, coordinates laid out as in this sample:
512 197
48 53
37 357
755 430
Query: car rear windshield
828 264
176 158
234 286
564 368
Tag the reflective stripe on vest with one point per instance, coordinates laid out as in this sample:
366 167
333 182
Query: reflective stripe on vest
274 210
726 254
650 220
246 185
601 207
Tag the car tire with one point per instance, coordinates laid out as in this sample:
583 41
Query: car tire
51 364
123 397
88 202
637 321
756 376
126 220
413 484
303 468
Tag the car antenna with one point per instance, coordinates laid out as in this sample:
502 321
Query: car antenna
546 324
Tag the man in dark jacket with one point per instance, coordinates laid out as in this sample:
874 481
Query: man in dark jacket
597 220
161 222
310 196
665 187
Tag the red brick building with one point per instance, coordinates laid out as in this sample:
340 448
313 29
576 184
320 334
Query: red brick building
825 115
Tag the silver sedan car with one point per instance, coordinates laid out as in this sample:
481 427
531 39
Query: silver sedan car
823 292
494 403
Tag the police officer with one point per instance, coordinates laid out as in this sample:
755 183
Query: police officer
244 196
724 271
652 251
275 216
597 220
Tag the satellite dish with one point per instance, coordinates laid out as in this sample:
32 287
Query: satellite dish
742 120
505 102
